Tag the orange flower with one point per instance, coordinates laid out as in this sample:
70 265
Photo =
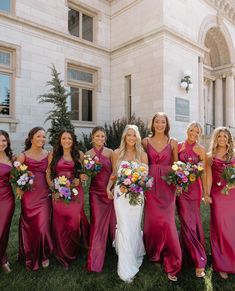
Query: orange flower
192 177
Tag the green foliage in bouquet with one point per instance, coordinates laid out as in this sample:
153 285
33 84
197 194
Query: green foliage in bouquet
59 115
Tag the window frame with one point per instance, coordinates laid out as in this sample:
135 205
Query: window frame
12 8
83 10
86 86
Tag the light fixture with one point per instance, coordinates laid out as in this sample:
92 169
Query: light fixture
186 82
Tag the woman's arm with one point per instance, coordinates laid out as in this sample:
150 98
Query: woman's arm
114 158
174 146
48 171
207 197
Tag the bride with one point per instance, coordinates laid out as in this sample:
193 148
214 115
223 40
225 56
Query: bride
128 239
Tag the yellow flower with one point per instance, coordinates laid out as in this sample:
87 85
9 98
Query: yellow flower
23 167
135 175
192 177
174 167
127 172
200 168
62 180
143 169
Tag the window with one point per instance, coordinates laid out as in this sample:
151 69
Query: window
6 75
81 100
5 5
80 24
128 96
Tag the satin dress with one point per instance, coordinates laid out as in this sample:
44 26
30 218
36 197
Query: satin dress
129 238
35 220
102 215
7 206
69 223
160 234
188 207
222 221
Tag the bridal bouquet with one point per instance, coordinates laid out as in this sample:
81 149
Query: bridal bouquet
228 175
183 174
21 178
63 189
91 166
134 181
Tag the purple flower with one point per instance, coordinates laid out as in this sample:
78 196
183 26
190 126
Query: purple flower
65 192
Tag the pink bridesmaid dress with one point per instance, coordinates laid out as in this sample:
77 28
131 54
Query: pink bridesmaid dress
34 228
69 223
102 215
160 233
7 206
222 221
188 207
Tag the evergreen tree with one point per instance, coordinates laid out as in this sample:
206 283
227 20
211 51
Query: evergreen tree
59 115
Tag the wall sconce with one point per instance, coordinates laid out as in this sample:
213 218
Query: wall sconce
186 82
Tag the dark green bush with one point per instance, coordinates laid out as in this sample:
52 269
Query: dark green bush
114 132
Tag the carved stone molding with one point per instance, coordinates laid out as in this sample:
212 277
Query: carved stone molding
225 8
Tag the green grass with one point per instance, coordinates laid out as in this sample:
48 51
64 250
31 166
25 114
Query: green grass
149 278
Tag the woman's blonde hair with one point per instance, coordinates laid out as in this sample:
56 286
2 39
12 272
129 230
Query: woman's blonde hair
193 124
138 145
214 143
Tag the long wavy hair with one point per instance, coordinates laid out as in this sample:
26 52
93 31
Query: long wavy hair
58 153
31 133
122 147
193 124
229 147
8 149
167 129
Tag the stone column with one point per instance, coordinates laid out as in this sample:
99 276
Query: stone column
229 101
210 103
218 102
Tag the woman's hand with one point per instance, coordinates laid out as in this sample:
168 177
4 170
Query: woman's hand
83 177
19 193
207 199
109 193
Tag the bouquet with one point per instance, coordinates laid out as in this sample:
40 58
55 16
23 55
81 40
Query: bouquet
91 166
64 189
183 174
134 181
228 175
21 178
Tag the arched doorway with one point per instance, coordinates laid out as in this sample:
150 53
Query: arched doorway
218 81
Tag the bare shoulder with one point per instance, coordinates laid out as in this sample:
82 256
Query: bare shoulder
145 142
90 152
115 153
144 157
173 142
81 155
20 158
201 149
108 152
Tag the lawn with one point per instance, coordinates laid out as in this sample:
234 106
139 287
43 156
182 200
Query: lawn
150 277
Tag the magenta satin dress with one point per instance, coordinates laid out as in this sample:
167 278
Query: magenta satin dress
222 222
160 233
188 207
34 228
103 221
70 228
7 206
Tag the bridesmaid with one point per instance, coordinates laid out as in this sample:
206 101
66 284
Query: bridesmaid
7 203
160 233
188 203
222 221
69 222
34 228
102 213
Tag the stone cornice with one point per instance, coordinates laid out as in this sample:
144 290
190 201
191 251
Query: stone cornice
224 7
163 31
52 32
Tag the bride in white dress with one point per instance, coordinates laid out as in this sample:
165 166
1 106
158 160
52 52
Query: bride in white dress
128 239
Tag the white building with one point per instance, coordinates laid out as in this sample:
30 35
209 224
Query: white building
118 58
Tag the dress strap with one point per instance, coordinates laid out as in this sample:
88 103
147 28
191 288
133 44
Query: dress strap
98 152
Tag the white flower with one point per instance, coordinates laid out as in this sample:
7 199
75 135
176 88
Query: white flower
16 164
187 73
75 191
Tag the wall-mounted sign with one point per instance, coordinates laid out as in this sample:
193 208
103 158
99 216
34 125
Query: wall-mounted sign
181 109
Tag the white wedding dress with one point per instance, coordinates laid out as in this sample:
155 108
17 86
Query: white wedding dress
129 237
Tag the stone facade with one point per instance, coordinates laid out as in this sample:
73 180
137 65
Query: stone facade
138 56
